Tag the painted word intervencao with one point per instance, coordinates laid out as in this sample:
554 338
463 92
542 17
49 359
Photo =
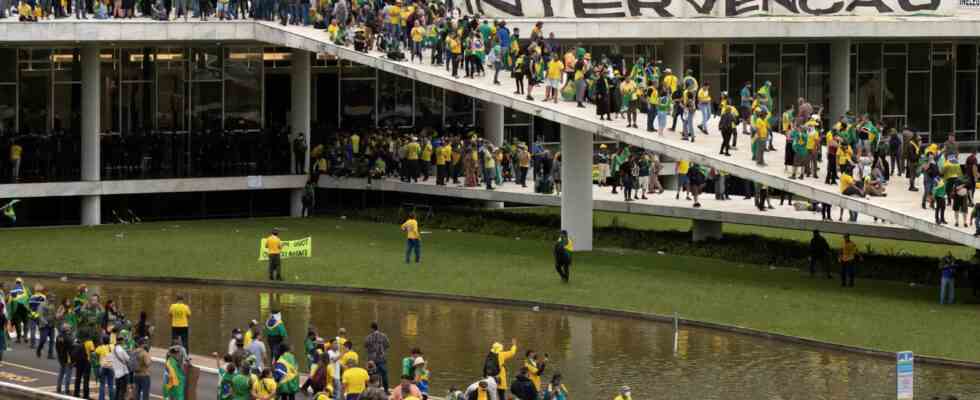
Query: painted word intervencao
699 8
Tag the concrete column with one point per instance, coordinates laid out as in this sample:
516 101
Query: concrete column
296 203
702 230
840 78
300 110
576 176
493 123
673 56
91 210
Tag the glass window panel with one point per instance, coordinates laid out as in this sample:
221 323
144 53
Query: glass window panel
793 80
918 107
8 65
459 109
512 116
869 57
172 97
796 48
67 107
894 122
894 79
742 49
243 94
428 105
818 91
692 63
517 134
767 58
895 48
741 70
35 92
326 100
205 106
818 57
942 84
137 108
277 57
966 100
395 100
600 51
357 107
39 55
67 65
692 50
714 60
966 57
546 131
869 94
109 90
8 107
919 57
942 126
205 64
138 64
355 70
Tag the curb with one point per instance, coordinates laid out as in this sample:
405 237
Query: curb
923 359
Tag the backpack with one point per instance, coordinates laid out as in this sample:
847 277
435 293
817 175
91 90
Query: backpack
491 366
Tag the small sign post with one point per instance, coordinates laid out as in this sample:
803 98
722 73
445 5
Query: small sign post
906 375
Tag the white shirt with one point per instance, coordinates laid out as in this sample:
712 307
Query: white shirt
120 361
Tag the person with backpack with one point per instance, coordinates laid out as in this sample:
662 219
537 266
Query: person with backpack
120 360
522 387
495 365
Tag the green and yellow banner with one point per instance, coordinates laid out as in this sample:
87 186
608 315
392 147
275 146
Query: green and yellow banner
290 248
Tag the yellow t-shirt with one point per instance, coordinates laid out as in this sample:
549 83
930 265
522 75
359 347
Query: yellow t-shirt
394 14
265 387
762 128
704 96
411 228
354 380
455 46
683 166
848 251
332 31
350 355
103 353
355 143
417 34
846 181
412 151
811 141
554 69
179 314
15 152
273 244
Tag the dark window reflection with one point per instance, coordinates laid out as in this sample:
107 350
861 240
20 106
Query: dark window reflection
357 108
428 105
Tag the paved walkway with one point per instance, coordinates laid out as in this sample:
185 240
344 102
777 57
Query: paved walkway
20 366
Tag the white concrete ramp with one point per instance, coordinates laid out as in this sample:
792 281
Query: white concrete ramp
900 207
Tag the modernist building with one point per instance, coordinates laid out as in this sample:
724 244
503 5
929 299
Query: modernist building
182 98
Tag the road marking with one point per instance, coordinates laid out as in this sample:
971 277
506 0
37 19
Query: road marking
24 367
10 376
15 377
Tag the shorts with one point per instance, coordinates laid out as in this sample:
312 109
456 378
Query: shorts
744 112
554 83
682 180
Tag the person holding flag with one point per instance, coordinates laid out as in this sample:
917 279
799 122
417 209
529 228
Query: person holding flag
174 379
10 216
285 373
18 310
275 332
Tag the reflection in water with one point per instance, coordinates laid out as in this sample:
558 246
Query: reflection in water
595 354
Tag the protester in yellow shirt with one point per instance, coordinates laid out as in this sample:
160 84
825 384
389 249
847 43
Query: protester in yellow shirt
848 255
761 126
354 379
179 321
265 387
274 246
414 243
553 75
15 156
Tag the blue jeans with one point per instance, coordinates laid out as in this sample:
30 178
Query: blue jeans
382 366
64 378
488 177
107 383
32 332
688 125
413 245
142 387
705 109
661 120
947 286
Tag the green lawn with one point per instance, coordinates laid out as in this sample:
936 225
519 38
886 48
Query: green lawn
876 314
651 222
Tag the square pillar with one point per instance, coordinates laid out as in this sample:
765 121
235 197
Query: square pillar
299 120
840 79
673 56
492 120
91 208
576 195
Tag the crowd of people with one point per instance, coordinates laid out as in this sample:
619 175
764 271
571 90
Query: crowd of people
90 337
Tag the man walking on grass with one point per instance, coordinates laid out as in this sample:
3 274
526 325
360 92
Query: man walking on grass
274 246
414 243
563 255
